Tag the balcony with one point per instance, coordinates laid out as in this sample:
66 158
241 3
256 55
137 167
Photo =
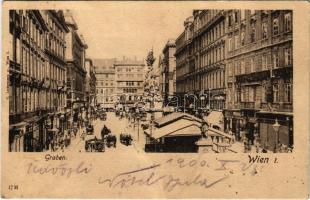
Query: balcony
279 107
250 105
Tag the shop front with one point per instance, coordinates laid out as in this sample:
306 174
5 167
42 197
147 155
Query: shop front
275 129
16 137
233 121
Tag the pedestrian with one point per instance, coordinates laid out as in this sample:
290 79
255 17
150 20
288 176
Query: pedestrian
204 129
53 145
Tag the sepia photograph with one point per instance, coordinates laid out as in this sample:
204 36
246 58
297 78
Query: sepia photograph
155 99
223 84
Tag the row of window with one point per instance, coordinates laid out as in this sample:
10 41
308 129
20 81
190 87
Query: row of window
129 69
280 93
261 62
213 55
108 91
129 75
54 27
206 81
129 83
33 99
55 45
130 90
34 66
236 41
214 34
105 83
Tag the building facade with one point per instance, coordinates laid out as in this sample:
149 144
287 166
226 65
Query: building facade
105 82
200 61
129 78
168 71
36 75
55 59
260 75
76 73
90 87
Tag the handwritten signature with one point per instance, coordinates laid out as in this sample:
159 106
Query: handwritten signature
62 169
148 176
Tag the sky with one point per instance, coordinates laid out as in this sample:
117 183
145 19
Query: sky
115 30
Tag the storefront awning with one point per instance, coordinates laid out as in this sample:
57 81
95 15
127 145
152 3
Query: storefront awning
32 119
53 130
181 127
18 125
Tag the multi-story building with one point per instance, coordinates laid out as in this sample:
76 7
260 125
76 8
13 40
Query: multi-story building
200 65
168 70
36 74
129 78
76 73
105 82
260 75
55 59
90 87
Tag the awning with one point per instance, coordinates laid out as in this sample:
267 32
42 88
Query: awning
53 130
32 119
18 125
276 113
182 127
215 118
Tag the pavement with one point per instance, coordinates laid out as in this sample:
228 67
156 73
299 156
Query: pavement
117 126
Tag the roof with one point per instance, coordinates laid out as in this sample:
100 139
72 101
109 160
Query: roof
182 127
174 117
215 118
105 62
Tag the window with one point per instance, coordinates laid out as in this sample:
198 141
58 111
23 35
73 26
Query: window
252 65
242 67
276 59
275 26
237 67
264 62
253 33
288 56
230 44
229 20
101 91
288 92
237 41
242 38
243 93
264 30
264 94
236 17
275 89
288 22
251 94
242 12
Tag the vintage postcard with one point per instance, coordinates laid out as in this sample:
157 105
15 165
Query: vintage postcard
159 99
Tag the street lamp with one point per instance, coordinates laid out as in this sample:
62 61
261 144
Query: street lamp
276 127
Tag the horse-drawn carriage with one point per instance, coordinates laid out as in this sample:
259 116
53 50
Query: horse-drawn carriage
89 129
103 116
94 145
108 137
125 139
110 140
